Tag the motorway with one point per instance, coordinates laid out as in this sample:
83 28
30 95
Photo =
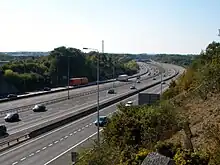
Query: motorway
30 118
44 148
33 100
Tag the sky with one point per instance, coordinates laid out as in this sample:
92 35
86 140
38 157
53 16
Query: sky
126 26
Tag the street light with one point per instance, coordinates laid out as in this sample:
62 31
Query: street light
98 58
219 32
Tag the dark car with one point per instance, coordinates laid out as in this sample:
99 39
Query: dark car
10 117
3 130
111 91
39 108
11 96
154 78
47 89
132 87
103 120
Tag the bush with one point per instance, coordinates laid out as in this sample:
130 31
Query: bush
167 149
184 157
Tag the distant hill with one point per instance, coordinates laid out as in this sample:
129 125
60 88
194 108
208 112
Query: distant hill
27 53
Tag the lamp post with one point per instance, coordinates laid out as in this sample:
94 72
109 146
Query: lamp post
219 32
98 60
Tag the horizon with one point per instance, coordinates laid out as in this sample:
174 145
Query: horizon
156 27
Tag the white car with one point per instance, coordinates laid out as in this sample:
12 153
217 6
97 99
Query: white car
129 103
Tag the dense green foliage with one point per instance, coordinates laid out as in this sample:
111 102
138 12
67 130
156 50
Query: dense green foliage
31 73
201 77
181 60
177 59
5 57
133 132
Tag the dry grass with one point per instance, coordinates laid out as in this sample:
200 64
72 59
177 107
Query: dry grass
204 118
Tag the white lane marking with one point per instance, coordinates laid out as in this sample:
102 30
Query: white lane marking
23 158
49 133
66 137
71 148
44 148
31 141
82 127
79 129
56 142
61 139
37 151
74 132
14 163
71 134
32 154
50 144
86 125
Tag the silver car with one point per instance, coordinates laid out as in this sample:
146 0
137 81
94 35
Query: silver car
10 117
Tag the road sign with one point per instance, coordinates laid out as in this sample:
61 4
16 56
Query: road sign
147 98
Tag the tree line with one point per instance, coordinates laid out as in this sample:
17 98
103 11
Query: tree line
28 73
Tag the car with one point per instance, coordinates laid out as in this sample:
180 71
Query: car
164 75
103 120
111 91
138 81
154 78
11 117
47 89
163 82
39 108
11 96
3 130
132 87
129 103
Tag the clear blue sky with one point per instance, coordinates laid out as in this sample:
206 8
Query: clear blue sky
127 26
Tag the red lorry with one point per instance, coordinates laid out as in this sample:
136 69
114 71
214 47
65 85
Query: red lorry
78 81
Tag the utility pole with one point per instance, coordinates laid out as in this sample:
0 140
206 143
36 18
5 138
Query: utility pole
161 79
68 77
113 75
219 32
24 77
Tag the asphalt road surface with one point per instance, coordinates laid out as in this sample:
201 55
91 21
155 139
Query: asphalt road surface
30 118
37 99
44 148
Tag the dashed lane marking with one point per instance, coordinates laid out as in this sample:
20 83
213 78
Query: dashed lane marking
32 154
23 158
